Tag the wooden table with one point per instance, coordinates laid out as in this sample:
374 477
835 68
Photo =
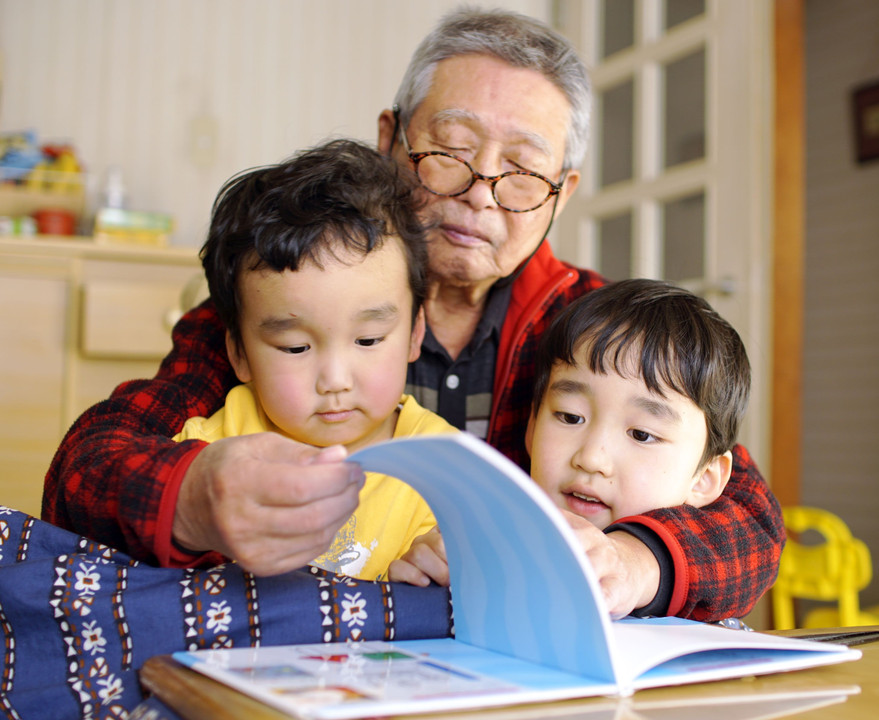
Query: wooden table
848 691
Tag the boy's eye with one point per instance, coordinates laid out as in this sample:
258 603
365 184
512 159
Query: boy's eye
295 349
642 436
569 418
369 342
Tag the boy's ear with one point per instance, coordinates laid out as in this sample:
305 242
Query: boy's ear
711 482
417 337
238 358
529 433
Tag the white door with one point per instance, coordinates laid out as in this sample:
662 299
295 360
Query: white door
677 184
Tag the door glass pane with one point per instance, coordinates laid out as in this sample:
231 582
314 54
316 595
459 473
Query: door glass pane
678 11
685 109
683 224
615 246
618 26
617 138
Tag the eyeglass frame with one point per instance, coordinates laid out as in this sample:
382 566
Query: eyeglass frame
492 180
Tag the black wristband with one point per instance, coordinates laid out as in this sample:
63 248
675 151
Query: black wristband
658 606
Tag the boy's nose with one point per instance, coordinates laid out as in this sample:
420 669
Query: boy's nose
334 375
593 456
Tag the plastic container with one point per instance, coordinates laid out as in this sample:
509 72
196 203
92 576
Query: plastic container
55 221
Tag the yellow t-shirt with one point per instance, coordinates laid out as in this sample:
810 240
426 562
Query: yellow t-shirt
390 515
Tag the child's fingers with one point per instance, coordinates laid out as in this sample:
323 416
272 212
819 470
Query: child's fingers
430 558
403 571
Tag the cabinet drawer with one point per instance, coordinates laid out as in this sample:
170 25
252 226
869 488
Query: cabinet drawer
128 319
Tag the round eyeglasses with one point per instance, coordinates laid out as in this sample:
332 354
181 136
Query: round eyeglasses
447 175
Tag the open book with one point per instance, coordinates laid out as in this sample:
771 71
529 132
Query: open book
530 621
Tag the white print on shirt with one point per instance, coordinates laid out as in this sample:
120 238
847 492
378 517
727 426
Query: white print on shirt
346 556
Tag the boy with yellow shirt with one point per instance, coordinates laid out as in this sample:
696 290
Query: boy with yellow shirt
317 269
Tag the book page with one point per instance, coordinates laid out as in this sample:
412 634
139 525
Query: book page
665 651
520 583
351 680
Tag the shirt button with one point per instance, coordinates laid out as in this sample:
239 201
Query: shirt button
452 382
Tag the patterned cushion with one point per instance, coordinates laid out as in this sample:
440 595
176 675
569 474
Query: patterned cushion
78 619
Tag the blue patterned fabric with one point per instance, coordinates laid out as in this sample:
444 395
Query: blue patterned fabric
78 619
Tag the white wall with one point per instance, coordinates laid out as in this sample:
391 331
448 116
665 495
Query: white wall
182 94
841 346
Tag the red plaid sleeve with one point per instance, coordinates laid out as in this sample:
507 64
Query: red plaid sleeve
110 473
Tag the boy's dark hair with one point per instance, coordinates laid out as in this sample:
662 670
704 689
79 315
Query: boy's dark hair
341 194
680 343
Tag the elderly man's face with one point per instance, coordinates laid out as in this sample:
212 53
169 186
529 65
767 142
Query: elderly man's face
497 118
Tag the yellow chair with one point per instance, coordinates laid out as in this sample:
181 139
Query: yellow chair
836 569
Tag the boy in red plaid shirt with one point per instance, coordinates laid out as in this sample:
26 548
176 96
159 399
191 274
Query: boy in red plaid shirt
640 391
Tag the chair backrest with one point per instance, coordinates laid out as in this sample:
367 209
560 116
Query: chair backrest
836 568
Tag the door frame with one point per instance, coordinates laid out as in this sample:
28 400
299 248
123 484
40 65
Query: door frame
788 251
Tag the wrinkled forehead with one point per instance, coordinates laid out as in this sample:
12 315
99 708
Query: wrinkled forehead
487 93
467 118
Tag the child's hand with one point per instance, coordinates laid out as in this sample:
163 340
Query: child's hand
424 561
626 568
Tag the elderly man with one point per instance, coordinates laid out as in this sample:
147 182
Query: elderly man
492 115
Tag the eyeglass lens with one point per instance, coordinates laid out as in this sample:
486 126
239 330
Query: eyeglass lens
446 175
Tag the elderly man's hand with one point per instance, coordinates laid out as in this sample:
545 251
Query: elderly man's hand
626 568
266 501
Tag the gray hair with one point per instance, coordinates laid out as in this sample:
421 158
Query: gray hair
516 39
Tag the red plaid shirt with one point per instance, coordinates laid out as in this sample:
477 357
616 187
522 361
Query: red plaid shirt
116 474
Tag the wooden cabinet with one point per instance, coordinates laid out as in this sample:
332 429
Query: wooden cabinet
77 319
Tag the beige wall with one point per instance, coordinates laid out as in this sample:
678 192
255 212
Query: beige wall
182 94
841 350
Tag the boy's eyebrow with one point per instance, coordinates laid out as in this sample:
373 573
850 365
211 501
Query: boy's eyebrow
658 409
569 387
271 325
386 311
280 324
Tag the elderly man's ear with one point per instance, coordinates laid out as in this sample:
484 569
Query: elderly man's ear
386 126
